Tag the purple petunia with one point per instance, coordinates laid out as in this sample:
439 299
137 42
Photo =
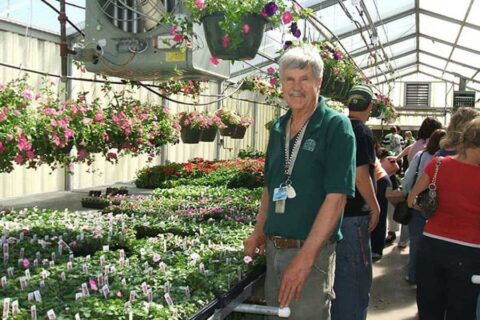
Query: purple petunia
270 9
294 30
287 45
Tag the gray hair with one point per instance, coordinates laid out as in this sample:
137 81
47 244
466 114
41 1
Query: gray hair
301 58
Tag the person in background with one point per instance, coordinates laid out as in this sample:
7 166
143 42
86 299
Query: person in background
309 172
448 253
409 140
451 140
428 126
417 222
377 237
353 272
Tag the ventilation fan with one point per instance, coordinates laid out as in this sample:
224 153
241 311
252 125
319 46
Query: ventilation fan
124 39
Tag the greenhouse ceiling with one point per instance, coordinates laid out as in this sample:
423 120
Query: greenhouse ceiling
387 39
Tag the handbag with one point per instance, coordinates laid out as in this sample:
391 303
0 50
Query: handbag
402 213
427 200
395 196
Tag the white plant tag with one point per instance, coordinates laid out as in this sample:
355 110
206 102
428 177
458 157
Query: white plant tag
51 314
33 312
168 299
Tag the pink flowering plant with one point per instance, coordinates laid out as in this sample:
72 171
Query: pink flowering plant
191 120
275 13
383 109
16 124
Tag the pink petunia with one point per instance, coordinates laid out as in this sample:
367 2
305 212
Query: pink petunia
27 94
1 147
93 284
271 70
178 38
26 263
246 28
30 155
247 259
87 120
71 167
19 159
273 81
200 4
99 116
111 155
287 17
48 111
156 257
9 137
173 30
82 154
214 61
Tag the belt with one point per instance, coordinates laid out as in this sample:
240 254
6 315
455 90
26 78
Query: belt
284 243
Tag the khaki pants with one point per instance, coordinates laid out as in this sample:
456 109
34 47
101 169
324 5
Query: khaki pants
315 300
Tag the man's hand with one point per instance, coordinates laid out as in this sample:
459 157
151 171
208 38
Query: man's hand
255 245
293 281
374 216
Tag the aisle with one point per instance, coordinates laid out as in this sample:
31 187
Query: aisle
392 297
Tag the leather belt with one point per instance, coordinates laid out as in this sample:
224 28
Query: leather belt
284 243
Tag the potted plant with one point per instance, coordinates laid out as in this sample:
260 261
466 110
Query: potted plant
210 125
190 124
240 129
383 109
234 29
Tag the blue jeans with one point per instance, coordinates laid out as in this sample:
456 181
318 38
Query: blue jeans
415 228
444 286
353 272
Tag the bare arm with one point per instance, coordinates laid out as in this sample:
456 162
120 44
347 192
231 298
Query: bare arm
422 184
404 152
364 184
257 241
297 272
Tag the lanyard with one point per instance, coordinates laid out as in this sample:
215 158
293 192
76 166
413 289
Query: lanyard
291 157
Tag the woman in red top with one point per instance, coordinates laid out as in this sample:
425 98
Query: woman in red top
449 252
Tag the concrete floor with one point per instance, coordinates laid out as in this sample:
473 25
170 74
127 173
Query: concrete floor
392 297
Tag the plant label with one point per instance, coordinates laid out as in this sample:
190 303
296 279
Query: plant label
106 291
6 308
14 308
51 315
10 271
37 295
168 299
42 284
27 274
33 312
4 282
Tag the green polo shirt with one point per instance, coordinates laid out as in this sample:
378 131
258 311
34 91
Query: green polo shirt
325 164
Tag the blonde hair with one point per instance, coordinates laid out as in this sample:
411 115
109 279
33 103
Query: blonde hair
455 128
470 136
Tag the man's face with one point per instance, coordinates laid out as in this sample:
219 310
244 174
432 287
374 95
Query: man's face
300 88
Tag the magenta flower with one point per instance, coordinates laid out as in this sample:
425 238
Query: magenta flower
246 28
273 81
27 94
287 17
87 120
200 4
173 30
178 38
214 61
247 259
226 41
1 147
271 70
26 263
19 159
9 137
93 284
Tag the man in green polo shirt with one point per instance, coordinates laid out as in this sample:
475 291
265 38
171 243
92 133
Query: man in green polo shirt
305 191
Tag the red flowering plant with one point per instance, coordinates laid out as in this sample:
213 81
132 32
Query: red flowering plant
383 109
16 124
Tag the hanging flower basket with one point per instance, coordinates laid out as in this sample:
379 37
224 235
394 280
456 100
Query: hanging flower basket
228 130
238 132
190 135
208 134
219 44
327 78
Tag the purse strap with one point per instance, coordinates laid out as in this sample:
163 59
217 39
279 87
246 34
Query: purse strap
418 167
433 184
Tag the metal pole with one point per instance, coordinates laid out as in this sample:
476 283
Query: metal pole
263 310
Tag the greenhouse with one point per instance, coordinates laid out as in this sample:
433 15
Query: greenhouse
255 159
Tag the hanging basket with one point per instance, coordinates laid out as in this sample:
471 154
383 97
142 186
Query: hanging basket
376 111
208 134
249 45
327 79
189 135
238 132
228 130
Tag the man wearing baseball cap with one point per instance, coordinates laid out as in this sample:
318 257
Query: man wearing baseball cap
353 274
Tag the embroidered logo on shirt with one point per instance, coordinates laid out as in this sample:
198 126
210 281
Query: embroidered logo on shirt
309 145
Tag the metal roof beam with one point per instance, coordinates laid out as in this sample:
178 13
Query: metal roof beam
449 43
454 61
390 43
397 16
417 29
402 55
403 75
408 65
323 5
449 72
449 19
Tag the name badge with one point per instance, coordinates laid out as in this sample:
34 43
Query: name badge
280 194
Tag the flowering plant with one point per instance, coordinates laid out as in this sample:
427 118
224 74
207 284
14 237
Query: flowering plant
383 108
232 118
16 124
275 13
190 120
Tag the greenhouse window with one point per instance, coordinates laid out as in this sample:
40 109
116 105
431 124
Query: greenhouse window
417 94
